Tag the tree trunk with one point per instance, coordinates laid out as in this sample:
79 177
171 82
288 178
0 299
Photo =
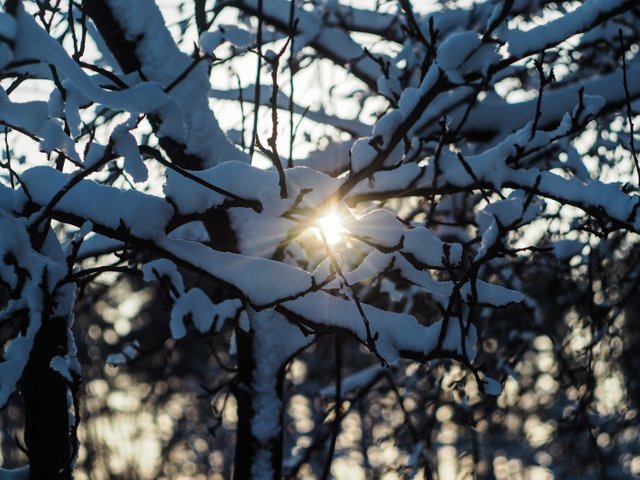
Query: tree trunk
262 358
44 390
245 448
257 455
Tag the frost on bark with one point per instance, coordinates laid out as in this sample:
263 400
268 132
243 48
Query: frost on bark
45 392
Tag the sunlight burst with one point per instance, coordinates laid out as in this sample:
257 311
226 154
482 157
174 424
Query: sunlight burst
331 227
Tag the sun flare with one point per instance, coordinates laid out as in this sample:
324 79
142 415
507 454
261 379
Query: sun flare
331 227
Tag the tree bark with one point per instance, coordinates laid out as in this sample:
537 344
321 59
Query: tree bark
248 445
263 355
258 450
46 433
245 444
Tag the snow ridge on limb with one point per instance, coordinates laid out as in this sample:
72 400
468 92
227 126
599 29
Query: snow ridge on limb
492 168
583 18
33 42
276 341
189 122
505 116
32 279
204 314
466 59
33 117
251 277
397 335
610 202
334 43
185 115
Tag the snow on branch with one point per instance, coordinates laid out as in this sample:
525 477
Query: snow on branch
445 168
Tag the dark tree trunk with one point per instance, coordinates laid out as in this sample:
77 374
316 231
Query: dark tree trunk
46 433
248 446
245 445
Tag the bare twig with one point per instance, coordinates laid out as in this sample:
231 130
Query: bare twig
629 110
256 106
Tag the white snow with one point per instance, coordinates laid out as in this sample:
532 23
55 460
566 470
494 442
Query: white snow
492 387
39 270
489 294
429 249
275 341
8 26
162 267
143 215
162 62
202 311
33 42
195 303
397 332
62 366
236 177
209 41
380 227
464 52
362 154
239 37
126 146
540 37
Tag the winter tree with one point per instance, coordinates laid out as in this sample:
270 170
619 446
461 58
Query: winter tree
322 238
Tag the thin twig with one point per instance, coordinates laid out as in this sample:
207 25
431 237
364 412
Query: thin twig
256 107
292 23
145 149
543 81
629 111
371 338
194 63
